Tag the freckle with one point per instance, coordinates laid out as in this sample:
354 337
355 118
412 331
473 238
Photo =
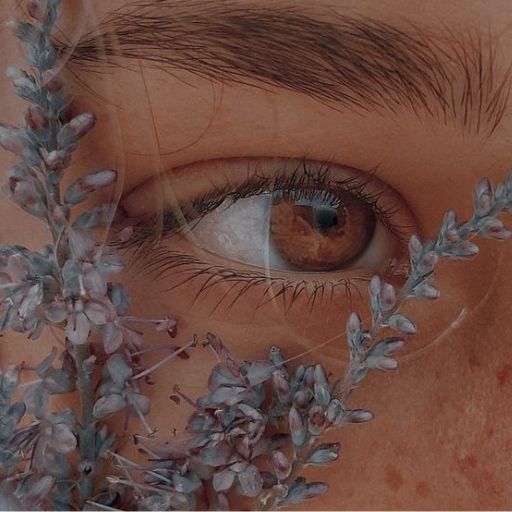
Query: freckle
469 461
503 374
489 432
393 478
473 361
423 489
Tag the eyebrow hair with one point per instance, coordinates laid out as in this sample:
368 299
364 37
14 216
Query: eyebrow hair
359 63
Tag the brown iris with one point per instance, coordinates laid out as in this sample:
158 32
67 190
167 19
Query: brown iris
321 234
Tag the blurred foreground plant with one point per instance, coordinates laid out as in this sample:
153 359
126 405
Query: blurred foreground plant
256 415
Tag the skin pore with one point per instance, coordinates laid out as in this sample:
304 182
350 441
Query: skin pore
441 437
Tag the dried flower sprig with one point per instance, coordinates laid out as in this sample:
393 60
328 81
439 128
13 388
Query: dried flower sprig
260 423
65 287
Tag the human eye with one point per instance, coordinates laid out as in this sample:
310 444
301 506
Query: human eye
310 232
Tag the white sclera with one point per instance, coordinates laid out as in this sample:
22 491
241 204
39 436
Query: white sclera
240 231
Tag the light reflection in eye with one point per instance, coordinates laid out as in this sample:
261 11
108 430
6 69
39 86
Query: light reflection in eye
272 220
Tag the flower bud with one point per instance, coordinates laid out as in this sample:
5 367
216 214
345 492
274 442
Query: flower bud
297 429
13 73
11 25
52 80
309 376
333 411
27 196
76 128
25 84
324 453
141 403
10 139
382 363
452 236
281 464
61 214
301 491
10 379
353 324
281 387
298 373
223 480
36 118
427 291
466 249
374 287
80 189
36 10
501 191
450 219
430 260
321 386
315 489
358 416
501 234
58 159
107 405
402 324
415 246
483 197
301 399
56 312
316 420
125 234
388 294
276 356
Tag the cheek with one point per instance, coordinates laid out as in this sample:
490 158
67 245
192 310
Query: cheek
249 329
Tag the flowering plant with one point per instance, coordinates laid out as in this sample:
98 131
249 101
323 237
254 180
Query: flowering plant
253 412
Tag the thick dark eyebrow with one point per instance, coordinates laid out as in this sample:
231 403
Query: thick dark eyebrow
359 63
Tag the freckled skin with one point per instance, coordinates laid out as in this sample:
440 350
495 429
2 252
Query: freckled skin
393 478
441 438
422 488
504 374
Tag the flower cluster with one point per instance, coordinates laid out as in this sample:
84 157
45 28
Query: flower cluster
64 287
260 423
258 414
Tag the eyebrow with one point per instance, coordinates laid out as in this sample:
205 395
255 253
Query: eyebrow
359 63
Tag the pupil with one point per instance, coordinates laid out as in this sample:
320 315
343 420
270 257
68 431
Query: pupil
325 218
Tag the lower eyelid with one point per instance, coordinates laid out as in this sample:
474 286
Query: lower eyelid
173 270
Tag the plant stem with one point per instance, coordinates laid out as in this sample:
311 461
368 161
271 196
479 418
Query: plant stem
87 433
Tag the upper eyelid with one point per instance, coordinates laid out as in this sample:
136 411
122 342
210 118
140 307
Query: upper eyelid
177 219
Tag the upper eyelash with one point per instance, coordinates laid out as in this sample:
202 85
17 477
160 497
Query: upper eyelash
307 177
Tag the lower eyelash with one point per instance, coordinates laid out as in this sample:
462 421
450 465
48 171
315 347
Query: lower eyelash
314 292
